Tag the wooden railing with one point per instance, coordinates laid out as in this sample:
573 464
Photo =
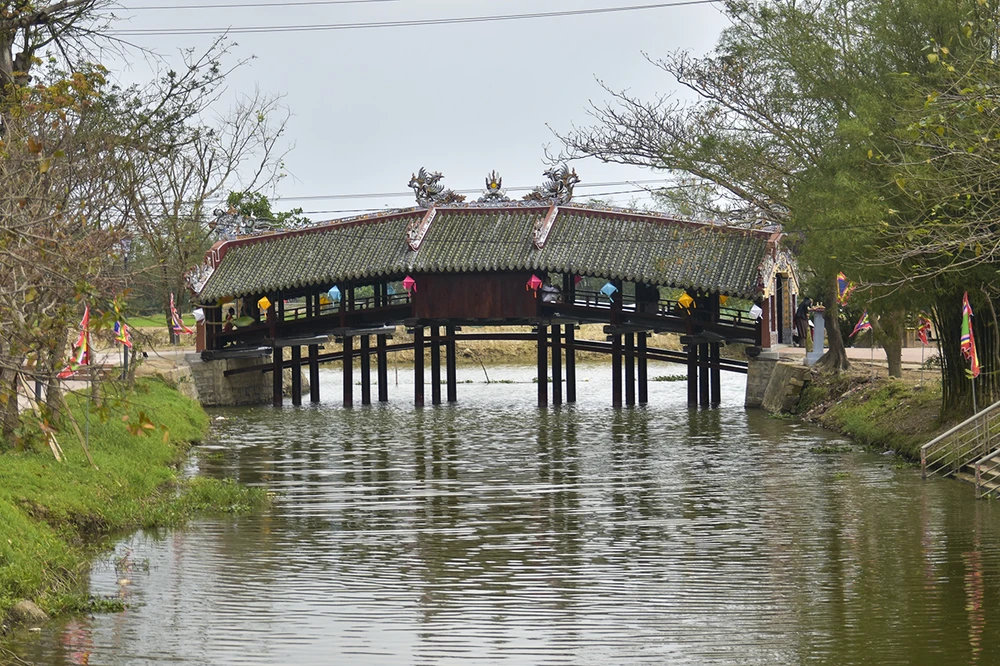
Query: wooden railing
364 303
974 439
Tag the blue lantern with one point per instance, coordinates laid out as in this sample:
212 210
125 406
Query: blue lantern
389 290
334 294
609 290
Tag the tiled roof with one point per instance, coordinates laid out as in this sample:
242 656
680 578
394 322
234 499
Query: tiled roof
584 241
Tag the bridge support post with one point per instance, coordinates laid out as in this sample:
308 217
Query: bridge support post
436 365
643 370
616 371
296 375
313 373
543 369
557 393
366 371
570 363
703 387
716 372
630 369
277 358
382 364
451 363
348 371
418 366
692 352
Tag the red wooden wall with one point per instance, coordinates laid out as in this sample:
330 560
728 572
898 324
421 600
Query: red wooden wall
474 296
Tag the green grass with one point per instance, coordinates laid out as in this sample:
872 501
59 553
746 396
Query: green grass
53 516
158 321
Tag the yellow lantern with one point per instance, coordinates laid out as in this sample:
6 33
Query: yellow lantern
263 303
685 301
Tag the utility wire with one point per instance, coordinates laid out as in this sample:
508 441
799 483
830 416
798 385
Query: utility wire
522 188
406 23
249 5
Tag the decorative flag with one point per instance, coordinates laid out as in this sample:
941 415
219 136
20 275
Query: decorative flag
175 318
334 294
533 284
862 325
409 284
686 302
123 334
81 348
844 288
968 339
923 327
609 290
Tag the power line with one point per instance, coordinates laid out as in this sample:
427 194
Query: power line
521 188
406 23
247 5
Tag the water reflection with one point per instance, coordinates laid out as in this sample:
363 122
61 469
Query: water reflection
496 532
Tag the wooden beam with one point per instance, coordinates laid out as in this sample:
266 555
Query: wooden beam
297 375
703 386
348 359
435 365
543 363
643 370
382 363
418 366
314 373
276 377
630 369
692 371
557 393
570 363
366 371
451 361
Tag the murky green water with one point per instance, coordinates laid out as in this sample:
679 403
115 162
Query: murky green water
491 532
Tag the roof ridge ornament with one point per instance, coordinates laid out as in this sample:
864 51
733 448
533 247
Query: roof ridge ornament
494 193
544 226
417 229
558 189
429 191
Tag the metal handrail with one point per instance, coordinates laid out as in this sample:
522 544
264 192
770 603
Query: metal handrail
988 466
961 445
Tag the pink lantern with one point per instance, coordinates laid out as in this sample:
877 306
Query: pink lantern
534 283
409 284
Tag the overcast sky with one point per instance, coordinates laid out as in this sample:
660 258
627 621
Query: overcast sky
371 106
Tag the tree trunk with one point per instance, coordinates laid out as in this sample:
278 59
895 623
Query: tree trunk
835 359
53 389
891 330
9 416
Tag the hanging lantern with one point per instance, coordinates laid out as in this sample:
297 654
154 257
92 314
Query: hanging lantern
755 312
334 294
723 299
409 284
389 290
533 284
577 279
609 290
686 302
263 303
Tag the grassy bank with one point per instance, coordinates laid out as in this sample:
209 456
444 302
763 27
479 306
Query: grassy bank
887 414
55 516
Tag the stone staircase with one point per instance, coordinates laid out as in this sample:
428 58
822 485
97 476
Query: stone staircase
970 452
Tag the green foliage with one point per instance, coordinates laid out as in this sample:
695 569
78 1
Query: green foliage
258 206
48 510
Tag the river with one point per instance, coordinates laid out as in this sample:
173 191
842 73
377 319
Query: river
494 532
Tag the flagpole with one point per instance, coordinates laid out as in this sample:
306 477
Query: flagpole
922 349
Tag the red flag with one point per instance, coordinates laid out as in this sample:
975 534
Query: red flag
81 348
923 327
862 325
968 339
178 323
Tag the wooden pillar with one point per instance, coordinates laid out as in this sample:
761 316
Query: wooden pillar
451 361
543 369
366 371
296 375
313 373
616 370
716 374
348 371
557 392
703 386
630 369
436 365
276 376
382 363
418 366
692 352
570 347
643 370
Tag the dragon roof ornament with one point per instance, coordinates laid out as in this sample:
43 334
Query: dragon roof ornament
558 189
430 192
494 192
